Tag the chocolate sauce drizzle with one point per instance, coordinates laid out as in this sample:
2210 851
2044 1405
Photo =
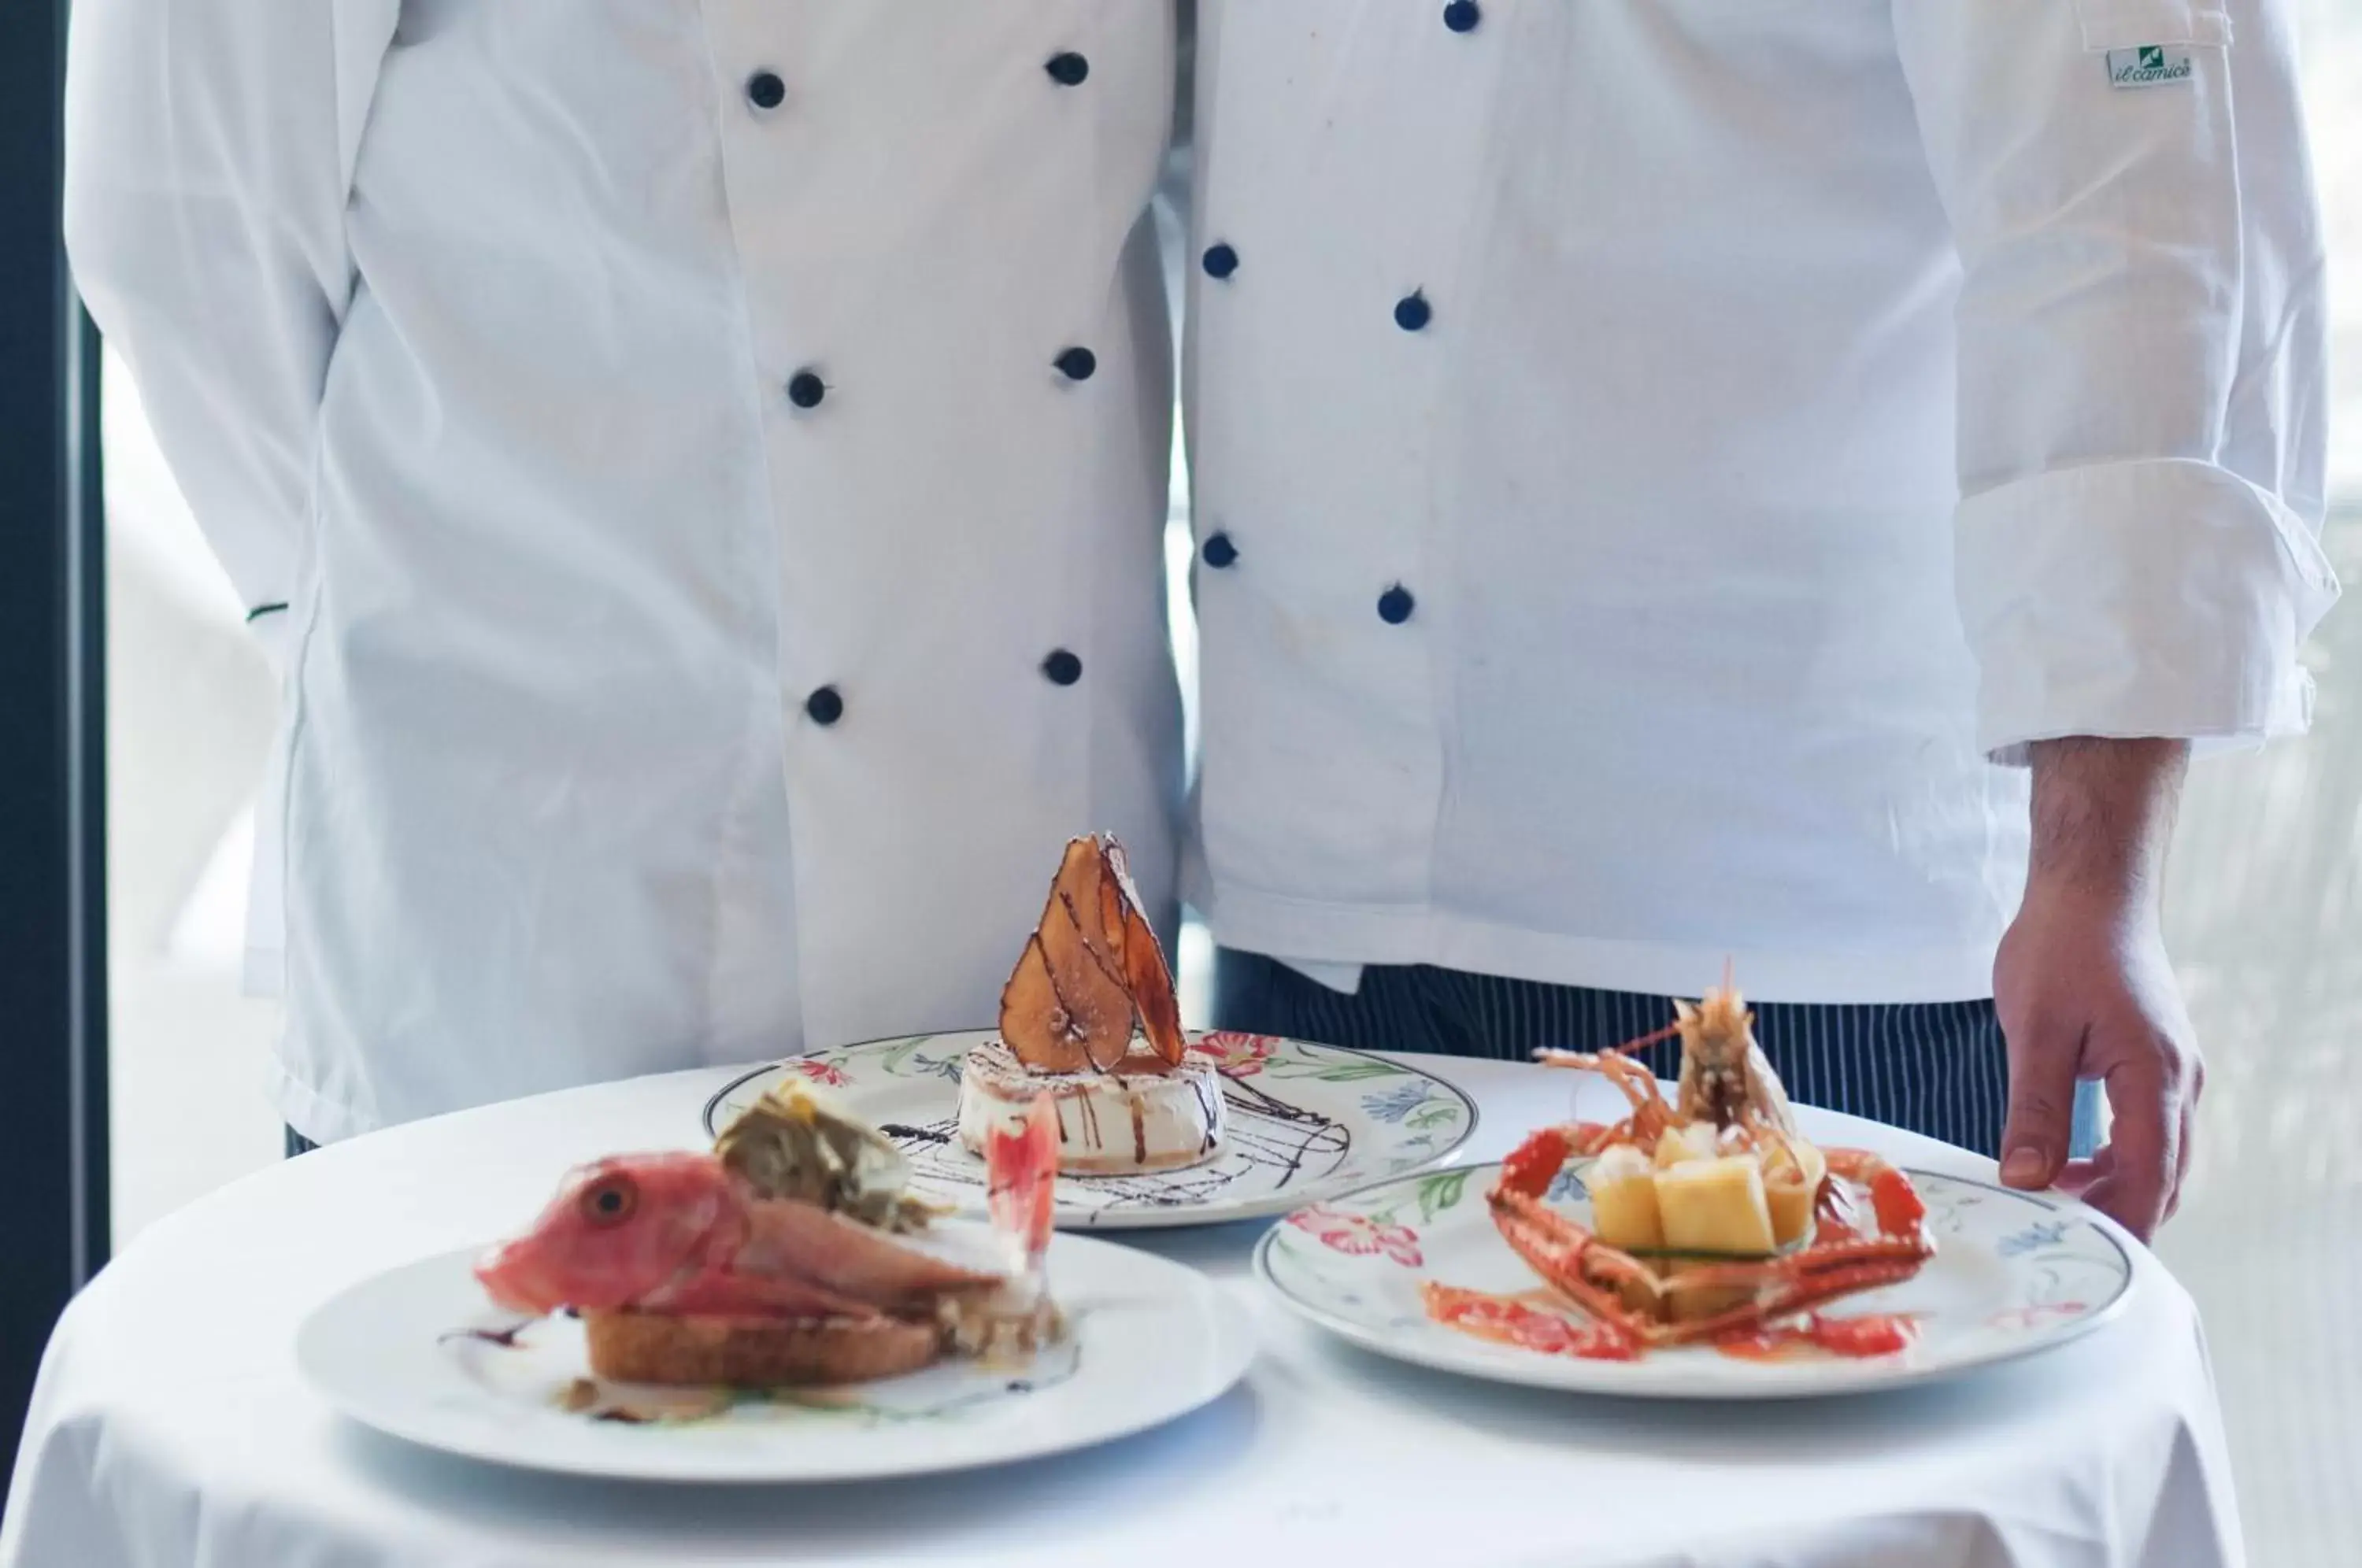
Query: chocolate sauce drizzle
901 1132
1269 1142
505 1338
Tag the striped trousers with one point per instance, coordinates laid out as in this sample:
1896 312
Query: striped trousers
1938 1068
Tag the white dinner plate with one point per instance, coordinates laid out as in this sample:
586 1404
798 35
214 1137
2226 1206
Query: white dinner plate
419 1352
2013 1272
1305 1123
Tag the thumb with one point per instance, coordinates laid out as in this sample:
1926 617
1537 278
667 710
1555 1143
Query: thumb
2042 1064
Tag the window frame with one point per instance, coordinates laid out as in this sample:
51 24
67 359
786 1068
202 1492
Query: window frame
53 1112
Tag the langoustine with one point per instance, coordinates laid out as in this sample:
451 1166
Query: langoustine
1714 1219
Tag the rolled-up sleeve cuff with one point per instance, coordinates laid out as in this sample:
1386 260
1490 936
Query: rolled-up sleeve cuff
2163 598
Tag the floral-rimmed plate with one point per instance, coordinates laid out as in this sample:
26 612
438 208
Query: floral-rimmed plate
419 1352
1306 1121
2013 1272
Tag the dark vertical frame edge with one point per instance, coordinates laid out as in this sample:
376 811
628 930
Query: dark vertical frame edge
85 618
53 1112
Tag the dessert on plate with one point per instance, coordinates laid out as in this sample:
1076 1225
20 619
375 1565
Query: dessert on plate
793 1255
1088 1018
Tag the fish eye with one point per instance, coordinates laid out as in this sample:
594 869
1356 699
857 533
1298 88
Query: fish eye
610 1201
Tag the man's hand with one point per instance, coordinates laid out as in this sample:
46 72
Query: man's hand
2082 985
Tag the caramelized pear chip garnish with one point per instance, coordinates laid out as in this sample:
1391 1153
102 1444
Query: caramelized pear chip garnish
1083 886
1091 972
1146 974
1033 1021
1091 988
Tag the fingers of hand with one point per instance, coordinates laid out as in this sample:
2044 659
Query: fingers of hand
2189 1134
2145 1138
2077 1176
2042 1065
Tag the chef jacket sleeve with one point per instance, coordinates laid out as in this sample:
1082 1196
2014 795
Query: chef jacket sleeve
2142 345
209 147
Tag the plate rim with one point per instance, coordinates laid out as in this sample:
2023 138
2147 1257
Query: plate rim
1271 1208
1859 1377
1232 1332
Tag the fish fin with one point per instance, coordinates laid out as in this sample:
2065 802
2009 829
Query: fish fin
1021 1178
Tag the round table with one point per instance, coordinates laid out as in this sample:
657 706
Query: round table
169 1426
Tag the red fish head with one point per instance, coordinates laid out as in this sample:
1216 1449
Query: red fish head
617 1231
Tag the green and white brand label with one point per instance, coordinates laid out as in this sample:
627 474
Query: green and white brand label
2151 65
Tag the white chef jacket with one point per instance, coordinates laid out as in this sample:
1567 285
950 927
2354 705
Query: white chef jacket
1657 462
712 453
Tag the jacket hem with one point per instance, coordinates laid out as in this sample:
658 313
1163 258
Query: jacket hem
1272 924
310 1112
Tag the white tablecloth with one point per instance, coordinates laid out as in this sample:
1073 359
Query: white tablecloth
169 1426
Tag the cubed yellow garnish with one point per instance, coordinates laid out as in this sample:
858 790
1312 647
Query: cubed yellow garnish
1623 1190
1714 1206
1694 1141
1792 1182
